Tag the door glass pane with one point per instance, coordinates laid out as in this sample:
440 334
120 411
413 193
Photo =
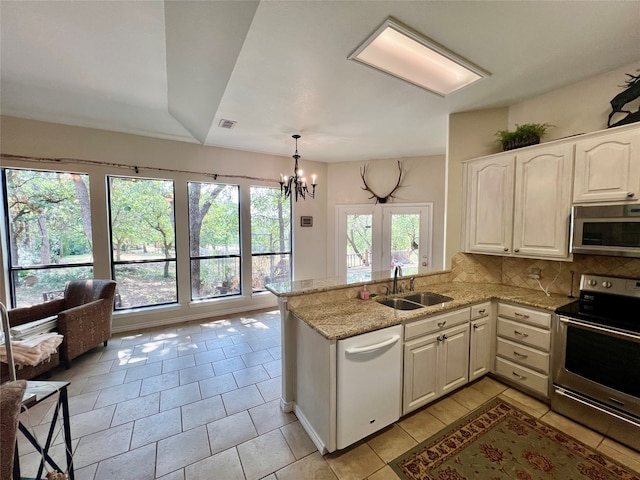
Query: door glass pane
405 240
359 244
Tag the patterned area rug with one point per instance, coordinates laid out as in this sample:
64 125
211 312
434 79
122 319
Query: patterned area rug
499 441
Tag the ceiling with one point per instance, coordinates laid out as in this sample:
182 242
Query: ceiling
174 69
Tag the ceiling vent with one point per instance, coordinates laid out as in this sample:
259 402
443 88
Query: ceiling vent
227 123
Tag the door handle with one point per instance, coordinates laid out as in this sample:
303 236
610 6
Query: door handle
374 347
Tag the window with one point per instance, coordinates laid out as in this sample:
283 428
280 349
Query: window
214 240
49 229
270 237
143 255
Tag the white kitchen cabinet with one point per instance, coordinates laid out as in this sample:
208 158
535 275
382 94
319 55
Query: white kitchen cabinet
480 340
489 204
518 203
607 168
436 357
523 348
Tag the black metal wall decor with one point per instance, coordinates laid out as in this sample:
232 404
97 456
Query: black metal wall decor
631 92
378 198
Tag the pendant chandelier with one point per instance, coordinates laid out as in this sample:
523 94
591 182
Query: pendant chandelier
297 184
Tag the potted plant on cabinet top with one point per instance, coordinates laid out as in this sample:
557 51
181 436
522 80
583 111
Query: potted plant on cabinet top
523 136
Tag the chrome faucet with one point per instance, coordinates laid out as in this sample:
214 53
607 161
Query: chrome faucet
395 278
412 284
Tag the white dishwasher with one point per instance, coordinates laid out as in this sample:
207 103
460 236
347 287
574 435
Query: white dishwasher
369 370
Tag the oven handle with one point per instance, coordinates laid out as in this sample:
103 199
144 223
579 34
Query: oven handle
564 393
595 328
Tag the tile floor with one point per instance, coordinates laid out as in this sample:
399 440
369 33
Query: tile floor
201 401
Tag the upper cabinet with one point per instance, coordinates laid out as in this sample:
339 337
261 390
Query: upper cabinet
489 204
607 168
518 203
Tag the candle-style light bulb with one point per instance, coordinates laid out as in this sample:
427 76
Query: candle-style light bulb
313 179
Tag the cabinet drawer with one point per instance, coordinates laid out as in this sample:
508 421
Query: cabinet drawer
523 376
524 355
479 311
534 317
527 334
436 323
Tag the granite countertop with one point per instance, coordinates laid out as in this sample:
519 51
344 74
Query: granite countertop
352 317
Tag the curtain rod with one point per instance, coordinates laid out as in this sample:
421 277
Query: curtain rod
136 169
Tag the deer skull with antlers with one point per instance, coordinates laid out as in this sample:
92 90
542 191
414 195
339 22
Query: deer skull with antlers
378 198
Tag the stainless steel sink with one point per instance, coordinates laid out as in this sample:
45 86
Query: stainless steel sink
426 299
400 304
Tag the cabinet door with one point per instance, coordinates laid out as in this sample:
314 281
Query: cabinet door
489 205
480 348
608 168
453 359
542 204
420 372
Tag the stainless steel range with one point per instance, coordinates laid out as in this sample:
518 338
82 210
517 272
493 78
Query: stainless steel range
596 372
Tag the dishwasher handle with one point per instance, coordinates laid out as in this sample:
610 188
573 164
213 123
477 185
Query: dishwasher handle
374 347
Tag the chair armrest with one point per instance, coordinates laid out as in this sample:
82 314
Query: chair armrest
20 316
90 312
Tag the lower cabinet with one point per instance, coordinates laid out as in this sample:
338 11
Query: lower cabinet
523 348
436 357
480 341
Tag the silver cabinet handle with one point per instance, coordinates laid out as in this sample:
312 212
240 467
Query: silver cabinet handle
522 334
517 250
521 315
630 194
476 326
521 355
481 312
517 375
442 324
506 249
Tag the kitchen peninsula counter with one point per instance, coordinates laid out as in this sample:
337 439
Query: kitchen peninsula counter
348 317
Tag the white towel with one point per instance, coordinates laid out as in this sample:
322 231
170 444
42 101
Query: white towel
33 350
20 332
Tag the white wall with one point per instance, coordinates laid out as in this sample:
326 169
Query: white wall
39 139
423 181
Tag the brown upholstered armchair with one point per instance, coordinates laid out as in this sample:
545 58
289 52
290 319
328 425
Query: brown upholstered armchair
10 403
84 316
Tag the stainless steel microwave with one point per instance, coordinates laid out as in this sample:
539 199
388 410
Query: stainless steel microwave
612 230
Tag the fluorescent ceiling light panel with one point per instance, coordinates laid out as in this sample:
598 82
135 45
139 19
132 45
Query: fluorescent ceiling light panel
404 53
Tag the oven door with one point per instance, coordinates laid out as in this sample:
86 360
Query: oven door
598 362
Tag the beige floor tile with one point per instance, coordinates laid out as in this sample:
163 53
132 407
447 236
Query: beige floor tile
91 422
106 380
136 408
524 402
143 371
385 473
230 431
178 363
161 382
178 396
194 374
182 450
270 389
226 465
421 425
298 439
85 473
156 427
217 385
251 375
228 365
30 462
354 463
310 467
470 398
264 455
242 399
102 445
139 464
569 427
176 475
391 442
626 456
82 403
202 412
447 410
118 393
489 387
270 416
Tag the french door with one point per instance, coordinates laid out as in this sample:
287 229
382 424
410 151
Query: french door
373 238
